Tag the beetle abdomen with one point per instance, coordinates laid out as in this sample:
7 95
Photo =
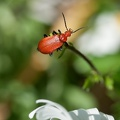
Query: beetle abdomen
49 44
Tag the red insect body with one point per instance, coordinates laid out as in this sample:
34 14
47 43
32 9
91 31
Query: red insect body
51 43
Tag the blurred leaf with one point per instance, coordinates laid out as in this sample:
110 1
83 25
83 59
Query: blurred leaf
104 64
91 80
5 63
109 83
7 21
78 98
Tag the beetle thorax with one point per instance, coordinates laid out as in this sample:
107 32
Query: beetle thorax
63 36
68 33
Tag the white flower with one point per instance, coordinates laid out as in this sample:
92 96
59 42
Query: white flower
53 110
90 114
49 111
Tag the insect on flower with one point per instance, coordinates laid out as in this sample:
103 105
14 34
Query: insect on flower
55 41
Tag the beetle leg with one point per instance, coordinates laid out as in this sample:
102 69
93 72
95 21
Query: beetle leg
37 49
60 48
50 54
59 31
45 35
54 32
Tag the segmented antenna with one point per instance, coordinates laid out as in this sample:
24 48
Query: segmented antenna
67 27
78 29
65 21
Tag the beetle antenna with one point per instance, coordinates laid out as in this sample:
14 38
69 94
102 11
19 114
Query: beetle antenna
65 21
78 29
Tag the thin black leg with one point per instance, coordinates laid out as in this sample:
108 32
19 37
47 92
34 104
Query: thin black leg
60 48
45 35
54 32
50 54
59 31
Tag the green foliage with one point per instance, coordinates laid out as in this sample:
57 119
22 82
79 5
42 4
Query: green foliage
78 98
65 78
91 80
16 40
18 36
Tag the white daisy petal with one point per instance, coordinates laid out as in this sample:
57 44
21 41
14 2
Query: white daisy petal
62 109
106 117
49 111
31 115
53 110
90 114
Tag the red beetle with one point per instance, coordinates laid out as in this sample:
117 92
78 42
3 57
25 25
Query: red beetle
55 42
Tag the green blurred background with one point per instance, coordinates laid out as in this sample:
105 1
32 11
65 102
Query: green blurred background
26 75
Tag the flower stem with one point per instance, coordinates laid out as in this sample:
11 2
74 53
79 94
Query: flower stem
70 47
